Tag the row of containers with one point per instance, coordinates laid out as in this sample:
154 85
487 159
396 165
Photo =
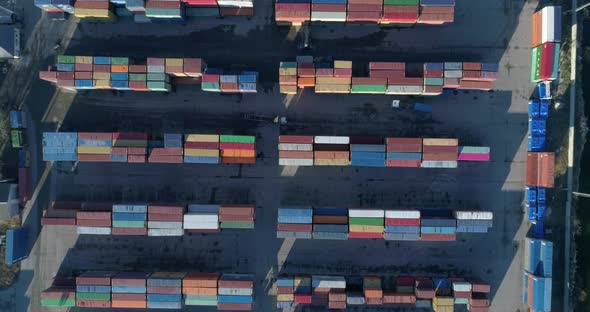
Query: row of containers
409 225
299 150
18 126
150 74
399 78
132 147
157 290
546 44
340 292
145 11
97 218
538 274
397 12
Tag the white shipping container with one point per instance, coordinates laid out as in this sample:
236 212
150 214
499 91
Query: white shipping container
201 225
295 147
156 69
328 16
235 291
439 164
453 74
402 214
461 286
551 24
366 213
453 65
320 281
130 208
228 78
397 89
295 162
165 232
474 215
331 139
164 225
200 217
236 4
94 230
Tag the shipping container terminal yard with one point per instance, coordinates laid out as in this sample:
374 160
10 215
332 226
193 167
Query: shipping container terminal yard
482 31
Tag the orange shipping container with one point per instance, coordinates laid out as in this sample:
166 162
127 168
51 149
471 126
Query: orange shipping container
540 169
537 22
373 293
306 82
119 68
199 291
129 304
331 155
237 153
200 280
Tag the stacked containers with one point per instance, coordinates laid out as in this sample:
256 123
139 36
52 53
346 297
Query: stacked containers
93 8
174 67
338 80
295 150
292 12
437 11
479 298
443 300
546 46
478 76
130 219
129 290
96 147
288 77
62 293
367 152
60 213
537 292
60 146
101 72
237 149
305 71
302 289
160 9
211 82
237 216
453 72
474 153
403 152
433 78
285 292
93 290
165 220
424 288
400 11
540 169
56 7
228 83
120 73
200 289
201 148
538 257
373 290
295 222
369 85
157 80
440 153
330 223
236 7
247 82
331 151
404 289
536 198
462 291
83 72
438 229
328 10
164 290
402 225
171 155
538 110
93 222
473 221
201 8
364 11
366 223
235 292
202 218
323 286
135 143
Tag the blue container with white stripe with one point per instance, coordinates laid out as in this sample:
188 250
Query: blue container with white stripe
234 299
201 160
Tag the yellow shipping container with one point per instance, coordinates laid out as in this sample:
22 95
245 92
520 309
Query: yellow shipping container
202 138
287 71
101 76
129 143
443 301
102 84
342 64
174 62
288 89
201 152
331 162
94 149
84 60
333 80
332 88
101 13
285 297
444 308
366 228
440 142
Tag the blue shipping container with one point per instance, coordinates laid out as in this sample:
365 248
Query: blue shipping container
534 109
541 194
17 241
296 212
285 281
530 194
93 289
536 143
364 162
134 208
332 228
532 211
330 211
544 109
537 127
404 156
295 219
234 299
538 229
121 216
402 229
434 66
102 60
201 160
129 289
66 67
541 210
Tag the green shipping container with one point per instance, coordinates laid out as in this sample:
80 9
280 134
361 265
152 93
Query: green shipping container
200 300
366 221
429 81
371 283
401 2
536 64
166 13
237 139
368 89
288 65
158 86
120 60
129 224
137 77
210 86
93 296
58 302
16 138
66 59
555 71
405 289
236 225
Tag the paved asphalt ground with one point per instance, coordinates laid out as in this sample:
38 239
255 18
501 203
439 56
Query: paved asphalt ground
490 31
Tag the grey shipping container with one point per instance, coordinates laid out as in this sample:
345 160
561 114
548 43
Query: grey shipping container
401 236
286 234
484 223
472 229
168 282
424 304
330 235
355 299
425 222
334 228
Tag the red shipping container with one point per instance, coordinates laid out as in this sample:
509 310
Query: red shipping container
451 82
166 152
479 309
102 68
303 139
368 81
433 89
83 75
232 218
406 17
156 61
238 160
306 72
374 301
211 78
440 149
403 222
65 75
296 154
201 145
229 86
93 303
175 209
462 294
342 72
479 286
387 66
151 4
129 231
357 16
482 302
129 136
94 157
476 85
58 293
284 290
226 283
164 290
365 7
364 235
193 66
164 217
434 73
471 66
93 222
294 227
242 210
424 293
136 150
128 297
138 86
438 237
58 221
547 52
83 67
234 306
405 81
139 69
324 72
302 299
165 159
94 215
241 146
232 11
93 280
402 163
410 145
337 305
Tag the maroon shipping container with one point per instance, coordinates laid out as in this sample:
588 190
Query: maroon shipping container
471 74
93 280
479 309
402 163
151 4
365 140
405 81
234 306
164 290
292 7
433 89
201 145
387 66
342 72
174 209
467 66
387 73
404 17
138 85
368 81
211 78
306 72
235 283
475 85
128 281
365 7
94 157
102 68
438 237
434 73
284 290
331 147
319 300
401 9
462 294
405 281
380 2
295 154
337 295
540 169
93 303
403 222
440 156
65 75
136 158
294 227
337 304
424 293
242 210
440 149
302 139
95 215
193 67
165 217
187 80
138 69
129 297
95 136
302 299
165 159
374 301
230 218
91 222
436 18
242 146
129 136
83 75
236 11
364 235
452 82
129 231
479 286
24 190
165 152
437 10
83 67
